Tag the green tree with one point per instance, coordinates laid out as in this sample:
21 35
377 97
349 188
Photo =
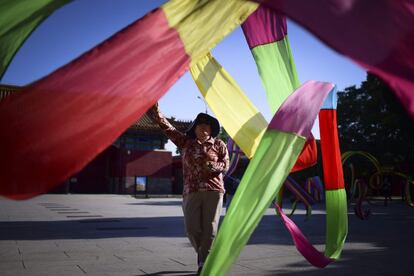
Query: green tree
370 118
223 135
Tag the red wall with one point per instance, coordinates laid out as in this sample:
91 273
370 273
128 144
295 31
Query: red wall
94 178
148 163
119 163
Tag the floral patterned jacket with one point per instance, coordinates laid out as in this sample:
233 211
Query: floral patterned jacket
203 163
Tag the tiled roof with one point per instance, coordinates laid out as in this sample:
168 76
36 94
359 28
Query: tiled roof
146 123
143 124
6 90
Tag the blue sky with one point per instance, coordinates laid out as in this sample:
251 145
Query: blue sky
82 24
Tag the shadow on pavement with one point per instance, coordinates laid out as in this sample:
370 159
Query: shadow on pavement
384 261
175 273
93 228
381 245
158 203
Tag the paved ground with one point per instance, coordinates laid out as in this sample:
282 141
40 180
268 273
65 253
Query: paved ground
120 235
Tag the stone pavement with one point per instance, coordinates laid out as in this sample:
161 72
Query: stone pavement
121 235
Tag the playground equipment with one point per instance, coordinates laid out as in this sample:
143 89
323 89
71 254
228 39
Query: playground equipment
308 194
376 182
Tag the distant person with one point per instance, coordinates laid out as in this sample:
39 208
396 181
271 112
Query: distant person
387 190
204 158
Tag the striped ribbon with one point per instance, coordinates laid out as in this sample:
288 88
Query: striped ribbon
266 34
89 102
354 30
18 19
274 158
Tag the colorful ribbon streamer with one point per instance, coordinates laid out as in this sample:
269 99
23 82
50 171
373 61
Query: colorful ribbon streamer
335 195
238 115
383 47
311 254
278 149
266 34
89 102
18 19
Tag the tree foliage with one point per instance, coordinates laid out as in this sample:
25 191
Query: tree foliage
370 118
223 135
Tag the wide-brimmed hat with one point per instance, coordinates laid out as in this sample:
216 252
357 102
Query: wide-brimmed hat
204 118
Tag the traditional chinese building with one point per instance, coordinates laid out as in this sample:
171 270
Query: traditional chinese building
137 162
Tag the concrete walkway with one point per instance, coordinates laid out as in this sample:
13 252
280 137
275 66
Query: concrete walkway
120 235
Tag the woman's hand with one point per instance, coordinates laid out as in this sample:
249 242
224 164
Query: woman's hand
154 112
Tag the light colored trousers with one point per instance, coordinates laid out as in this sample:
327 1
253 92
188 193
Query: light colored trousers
202 212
